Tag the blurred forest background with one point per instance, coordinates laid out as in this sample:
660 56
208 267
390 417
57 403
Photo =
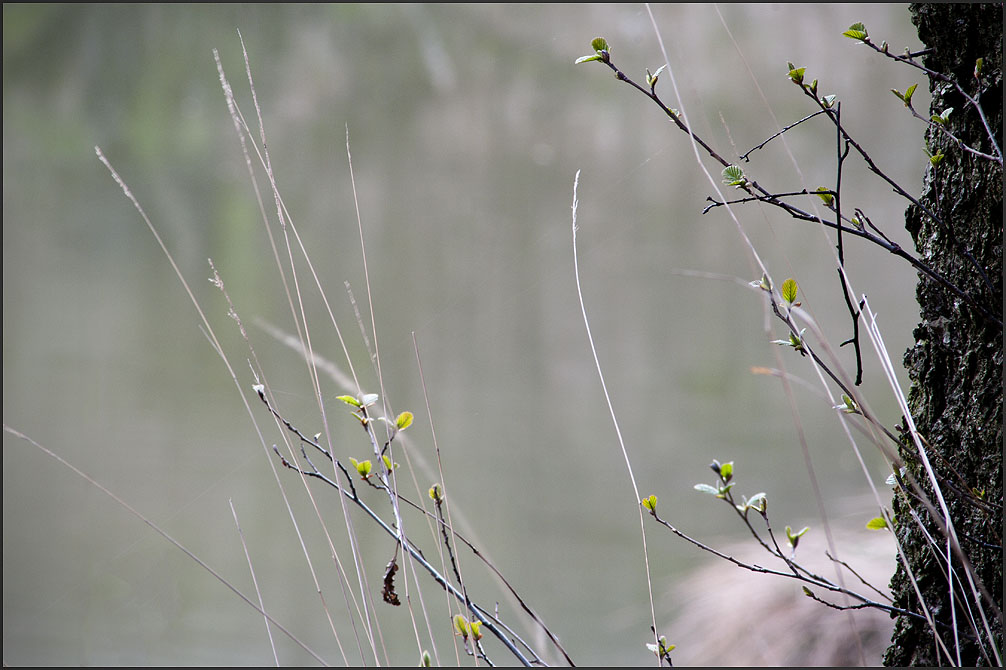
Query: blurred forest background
467 124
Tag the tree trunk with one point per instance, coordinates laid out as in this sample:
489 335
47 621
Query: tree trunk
956 364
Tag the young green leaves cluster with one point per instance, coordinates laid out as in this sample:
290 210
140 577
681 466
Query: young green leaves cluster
402 421
651 79
905 97
363 468
467 629
662 649
734 176
795 340
794 537
602 52
366 468
725 473
857 31
796 75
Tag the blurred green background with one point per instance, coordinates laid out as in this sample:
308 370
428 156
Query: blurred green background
467 124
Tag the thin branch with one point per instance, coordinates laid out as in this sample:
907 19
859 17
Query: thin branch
744 156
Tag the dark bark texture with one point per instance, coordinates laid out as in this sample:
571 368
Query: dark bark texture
956 364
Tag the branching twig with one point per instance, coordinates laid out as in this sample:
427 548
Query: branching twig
462 596
753 188
744 156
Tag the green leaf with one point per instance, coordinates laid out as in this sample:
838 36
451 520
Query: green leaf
727 471
848 405
475 626
789 289
733 175
796 74
909 93
905 97
404 420
650 503
436 493
586 59
368 399
349 400
877 523
825 195
828 101
857 31
706 488
426 661
461 626
600 44
807 592
388 464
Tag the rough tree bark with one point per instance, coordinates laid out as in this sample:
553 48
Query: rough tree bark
956 364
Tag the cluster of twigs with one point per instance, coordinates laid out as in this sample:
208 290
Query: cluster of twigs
758 504
982 299
347 482
521 650
859 225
